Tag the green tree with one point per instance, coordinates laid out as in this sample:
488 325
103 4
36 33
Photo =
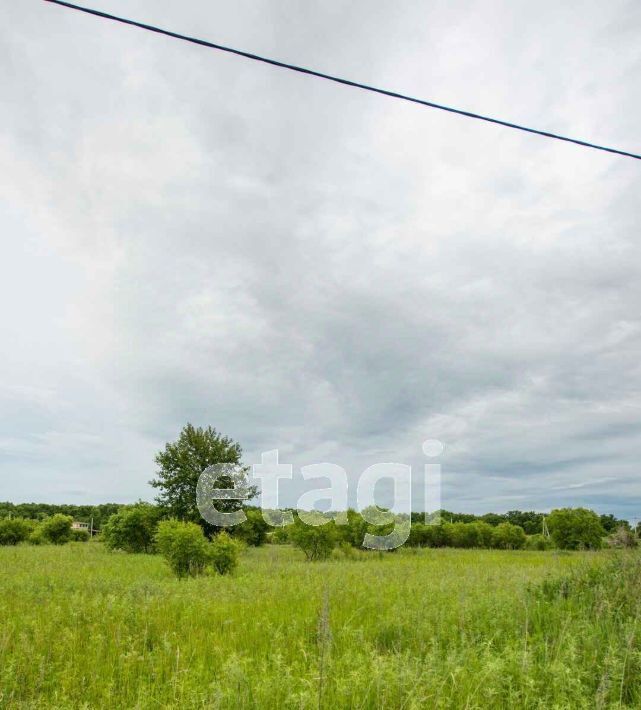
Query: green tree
182 462
575 528
224 552
57 529
133 529
184 546
484 534
508 537
316 541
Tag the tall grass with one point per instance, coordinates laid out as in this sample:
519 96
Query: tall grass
82 627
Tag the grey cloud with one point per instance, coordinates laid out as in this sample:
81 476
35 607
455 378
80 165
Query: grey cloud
192 237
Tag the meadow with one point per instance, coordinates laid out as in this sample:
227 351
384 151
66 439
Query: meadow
84 627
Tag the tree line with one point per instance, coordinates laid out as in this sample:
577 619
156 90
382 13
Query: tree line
174 527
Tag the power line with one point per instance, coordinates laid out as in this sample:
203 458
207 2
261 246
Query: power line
338 80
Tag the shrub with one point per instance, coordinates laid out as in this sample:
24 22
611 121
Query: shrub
463 535
37 536
622 537
280 536
353 530
316 541
133 529
57 529
508 537
184 546
80 536
254 530
14 530
575 528
538 542
484 534
224 552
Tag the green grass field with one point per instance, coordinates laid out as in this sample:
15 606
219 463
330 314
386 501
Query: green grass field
82 627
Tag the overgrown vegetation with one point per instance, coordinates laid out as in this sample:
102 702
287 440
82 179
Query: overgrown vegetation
434 628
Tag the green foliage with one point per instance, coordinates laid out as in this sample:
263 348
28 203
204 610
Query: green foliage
224 552
280 536
184 546
610 523
508 537
37 536
353 530
538 542
80 536
575 528
133 529
316 541
14 531
253 531
622 538
41 511
180 465
462 534
57 529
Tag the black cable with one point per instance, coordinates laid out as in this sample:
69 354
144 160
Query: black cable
338 80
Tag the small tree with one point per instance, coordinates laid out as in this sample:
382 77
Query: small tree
133 529
57 529
224 552
508 537
184 546
316 541
575 528
14 530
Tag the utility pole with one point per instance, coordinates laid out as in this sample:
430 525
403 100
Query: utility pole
544 525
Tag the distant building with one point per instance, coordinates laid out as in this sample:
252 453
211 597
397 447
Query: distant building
79 526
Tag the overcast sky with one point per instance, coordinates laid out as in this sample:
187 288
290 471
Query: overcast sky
189 236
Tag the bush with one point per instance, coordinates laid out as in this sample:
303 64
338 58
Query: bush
184 546
538 542
57 529
316 541
80 536
575 529
224 552
37 536
484 534
14 530
508 537
132 529
280 536
622 537
254 530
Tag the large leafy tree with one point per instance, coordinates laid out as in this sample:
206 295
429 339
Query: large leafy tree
182 462
575 528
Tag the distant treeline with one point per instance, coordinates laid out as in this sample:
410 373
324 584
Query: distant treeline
530 521
41 511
